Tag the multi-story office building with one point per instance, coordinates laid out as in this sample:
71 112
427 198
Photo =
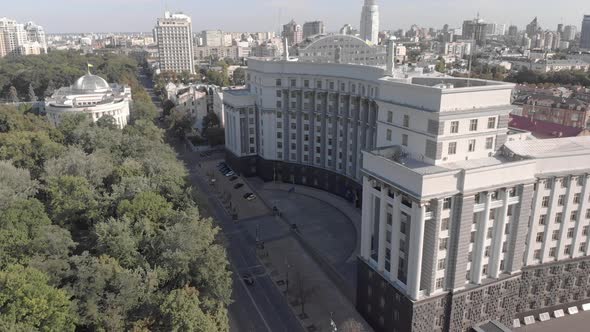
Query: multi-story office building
569 33
512 31
370 22
475 30
313 28
36 34
214 38
533 27
459 49
585 36
293 32
174 34
462 221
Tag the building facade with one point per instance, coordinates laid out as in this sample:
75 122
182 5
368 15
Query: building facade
569 33
93 96
174 35
341 49
369 29
214 38
585 35
21 39
313 28
475 29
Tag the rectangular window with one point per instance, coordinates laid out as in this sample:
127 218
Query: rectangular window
570 233
567 250
558 217
444 224
473 125
542 219
454 127
545 201
447 203
489 143
537 254
472 240
279 104
564 182
441 264
443 244
432 127
574 216
388 135
452 148
491 123
561 200
540 236
404 140
278 82
440 283
279 93
389 116
471 147
490 233
406 121
293 83
487 251
555 235
484 271
583 247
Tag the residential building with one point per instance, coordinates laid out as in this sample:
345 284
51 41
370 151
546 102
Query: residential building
585 36
36 34
370 22
174 34
21 39
568 112
293 32
494 29
313 28
197 99
93 96
458 49
569 33
206 53
342 49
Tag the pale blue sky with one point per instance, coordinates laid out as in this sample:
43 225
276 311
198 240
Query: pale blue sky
263 15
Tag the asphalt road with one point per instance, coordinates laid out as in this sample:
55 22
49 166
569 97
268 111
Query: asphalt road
257 308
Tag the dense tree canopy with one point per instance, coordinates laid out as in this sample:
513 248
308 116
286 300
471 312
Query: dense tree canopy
99 230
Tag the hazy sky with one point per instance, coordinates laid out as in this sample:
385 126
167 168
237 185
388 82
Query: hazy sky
263 15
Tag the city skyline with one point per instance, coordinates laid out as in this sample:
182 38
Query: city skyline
237 15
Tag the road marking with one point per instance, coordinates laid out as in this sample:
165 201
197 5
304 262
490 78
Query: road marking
252 299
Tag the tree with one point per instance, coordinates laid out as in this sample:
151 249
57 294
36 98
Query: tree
441 65
13 94
28 302
32 95
29 149
180 122
211 120
50 88
143 111
15 184
239 76
181 311
71 202
116 238
167 107
94 167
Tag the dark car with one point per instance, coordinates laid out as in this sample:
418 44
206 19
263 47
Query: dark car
247 195
248 279
238 185
233 178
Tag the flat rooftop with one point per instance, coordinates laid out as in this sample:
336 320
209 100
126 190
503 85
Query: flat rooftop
454 82
556 147
238 92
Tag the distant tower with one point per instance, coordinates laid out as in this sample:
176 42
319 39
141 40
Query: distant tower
370 22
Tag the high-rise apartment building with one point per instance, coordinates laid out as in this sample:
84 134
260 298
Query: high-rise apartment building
313 28
585 35
370 22
174 35
21 39
533 27
569 33
293 32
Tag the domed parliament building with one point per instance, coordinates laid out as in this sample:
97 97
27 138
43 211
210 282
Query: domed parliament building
90 95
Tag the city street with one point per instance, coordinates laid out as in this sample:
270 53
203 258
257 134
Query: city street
261 306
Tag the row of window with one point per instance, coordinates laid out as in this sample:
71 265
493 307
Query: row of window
555 234
559 217
561 201
471 145
566 251
473 123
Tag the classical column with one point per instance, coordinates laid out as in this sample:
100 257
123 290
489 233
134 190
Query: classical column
367 213
395 236
499 236
482 230
569 207
416 248
382 231
581 221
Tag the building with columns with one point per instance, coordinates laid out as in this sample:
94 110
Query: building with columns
463 221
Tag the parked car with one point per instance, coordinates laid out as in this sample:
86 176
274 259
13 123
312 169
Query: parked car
230 173
248 279
238 185
251 197
233 178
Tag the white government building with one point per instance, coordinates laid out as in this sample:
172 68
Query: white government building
463 220
90 95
